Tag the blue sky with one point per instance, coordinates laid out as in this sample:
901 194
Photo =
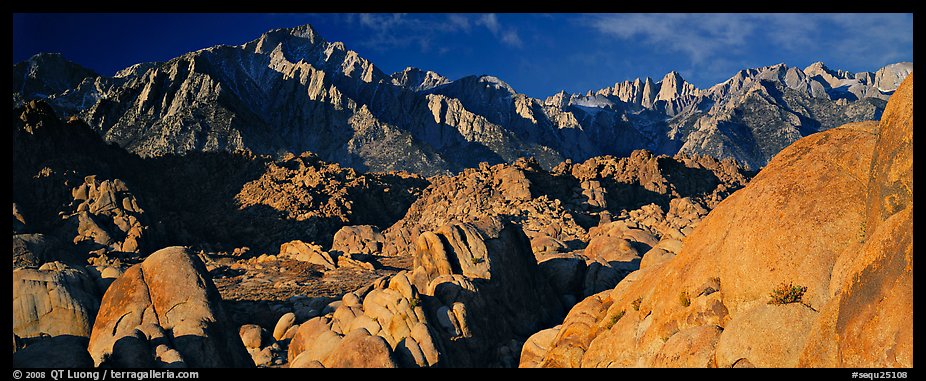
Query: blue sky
537 54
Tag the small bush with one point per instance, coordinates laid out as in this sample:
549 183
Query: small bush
787 293
477 260
636 303
415 302
615 318
684 299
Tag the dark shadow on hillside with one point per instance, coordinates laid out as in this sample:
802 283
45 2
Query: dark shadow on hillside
687 181
62 351
624 196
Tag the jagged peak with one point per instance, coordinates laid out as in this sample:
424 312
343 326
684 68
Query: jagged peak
299 36
673 75
409 69
560 99
135 69
305 31
817 67
46 55
417 79
50 57
491 80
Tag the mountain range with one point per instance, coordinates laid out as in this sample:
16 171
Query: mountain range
290 91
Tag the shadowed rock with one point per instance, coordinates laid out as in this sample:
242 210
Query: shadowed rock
167 299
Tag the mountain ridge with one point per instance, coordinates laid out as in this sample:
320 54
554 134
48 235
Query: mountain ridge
290 90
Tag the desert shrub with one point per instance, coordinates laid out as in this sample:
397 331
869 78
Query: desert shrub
787 293
615 318
684 299
636 303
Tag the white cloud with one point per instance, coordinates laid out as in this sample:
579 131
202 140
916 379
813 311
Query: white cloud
459 22
400 30
507 36
490 21
715 41
700 36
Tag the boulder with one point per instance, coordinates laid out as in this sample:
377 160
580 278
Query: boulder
19 222
656 257
54 300
359 349
107 217
358 239
262 357
315 339
307 252
170 293
536 347
543 245
689 348
576 333
611 247
252 336
496 257
303 361
783 330
283 325
356 261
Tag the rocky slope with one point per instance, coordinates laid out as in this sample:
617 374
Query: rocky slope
754 286
46 75
470 297
292 91
303 238
85 196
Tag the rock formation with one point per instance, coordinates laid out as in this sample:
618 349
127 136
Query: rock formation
54 300
165 312
435 315
754 286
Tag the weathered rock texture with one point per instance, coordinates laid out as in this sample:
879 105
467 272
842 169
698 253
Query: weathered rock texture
54 300
832 213
165 312
869 321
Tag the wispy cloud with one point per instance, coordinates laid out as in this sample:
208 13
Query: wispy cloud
699 36
401 30
507 35
716 41
460 22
